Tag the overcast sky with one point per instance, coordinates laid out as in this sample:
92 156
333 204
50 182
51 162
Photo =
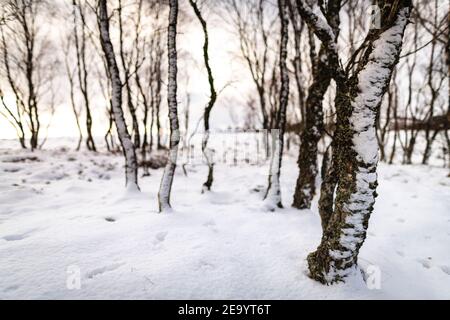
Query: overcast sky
229 71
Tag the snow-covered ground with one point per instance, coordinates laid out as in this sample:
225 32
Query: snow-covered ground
63 212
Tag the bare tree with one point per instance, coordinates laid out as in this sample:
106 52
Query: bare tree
212 99
131 168
70 72
383 120
157 91
436 74
169 171
13 116
313 128
360 89
422 115
447 61
253 25
80 40
23 52
273 193
298 27
140 47
126 59
410 111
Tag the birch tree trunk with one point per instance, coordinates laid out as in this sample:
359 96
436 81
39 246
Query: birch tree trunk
329 181
357 103
17 121
212 100
131 179
126 67
169 171
24 78
273 193
80 39
307 158
314 127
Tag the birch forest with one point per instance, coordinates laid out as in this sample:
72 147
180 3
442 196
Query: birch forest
224 149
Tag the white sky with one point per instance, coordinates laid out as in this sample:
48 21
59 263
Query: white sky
227 67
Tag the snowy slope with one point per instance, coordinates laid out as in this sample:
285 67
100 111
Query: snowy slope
60 209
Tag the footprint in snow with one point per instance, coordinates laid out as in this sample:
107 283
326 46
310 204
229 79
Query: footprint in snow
158 241
14 237
257 189
446 269
426 263
11 288
98 271
400 253
212 225
160 237
209 223
205 265
18 236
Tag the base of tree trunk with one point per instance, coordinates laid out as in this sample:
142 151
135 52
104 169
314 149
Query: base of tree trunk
210 179
322 267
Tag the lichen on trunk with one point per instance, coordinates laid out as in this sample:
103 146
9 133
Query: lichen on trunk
356 152
311 134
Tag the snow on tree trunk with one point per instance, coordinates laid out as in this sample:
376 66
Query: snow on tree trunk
116 99
169 171
273 194
337 254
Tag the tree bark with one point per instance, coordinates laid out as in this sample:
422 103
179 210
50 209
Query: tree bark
328 186
212 100
311 134
83 75
116 100
358 101
127 74
169 171
314 127
273 193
